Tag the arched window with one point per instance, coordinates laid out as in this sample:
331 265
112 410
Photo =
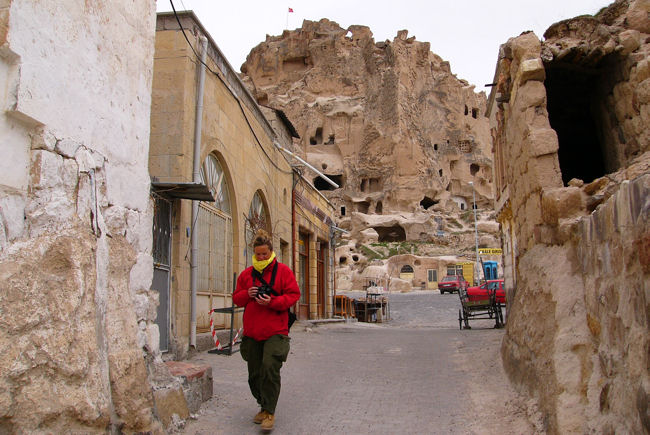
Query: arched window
213 176
215 245
406 269
258 217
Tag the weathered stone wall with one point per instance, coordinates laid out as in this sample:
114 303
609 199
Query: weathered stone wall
75 218
579 300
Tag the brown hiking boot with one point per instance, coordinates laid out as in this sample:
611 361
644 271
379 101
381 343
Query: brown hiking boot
259 417
268 422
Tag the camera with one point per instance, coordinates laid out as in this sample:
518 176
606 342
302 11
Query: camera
264 290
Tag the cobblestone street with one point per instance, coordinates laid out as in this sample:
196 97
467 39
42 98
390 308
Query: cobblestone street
416 374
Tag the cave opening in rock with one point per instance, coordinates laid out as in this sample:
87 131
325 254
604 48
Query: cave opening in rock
321 184
342 260
427 202
330 140
379 207
317 139
342 210
363 207
586 125
474 113
391 234
473 169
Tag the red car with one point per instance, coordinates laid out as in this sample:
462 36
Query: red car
481 291
452 283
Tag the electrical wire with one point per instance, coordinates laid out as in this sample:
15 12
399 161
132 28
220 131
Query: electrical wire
235 96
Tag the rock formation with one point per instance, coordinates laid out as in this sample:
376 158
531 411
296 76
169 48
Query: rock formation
388 122
572 156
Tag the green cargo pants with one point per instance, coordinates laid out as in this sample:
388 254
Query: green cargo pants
264 360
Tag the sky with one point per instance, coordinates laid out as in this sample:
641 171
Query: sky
467 33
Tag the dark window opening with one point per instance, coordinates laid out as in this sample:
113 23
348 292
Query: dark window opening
263 99
474 113
440 172
355 258
321 184
330 140
342 260
342 210
319 135
427 202
391 234
379 207
462 206
435 146
473 169
406 269
466 110
363 207
578 114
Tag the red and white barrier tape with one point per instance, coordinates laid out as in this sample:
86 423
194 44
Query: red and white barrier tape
216 338
214 333
234 340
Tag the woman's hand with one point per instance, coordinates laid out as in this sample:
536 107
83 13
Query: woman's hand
252 292
263 299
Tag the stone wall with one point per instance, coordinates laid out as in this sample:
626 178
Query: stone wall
575 240
75 218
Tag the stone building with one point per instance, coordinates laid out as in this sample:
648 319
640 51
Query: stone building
236 151
572 192
77 325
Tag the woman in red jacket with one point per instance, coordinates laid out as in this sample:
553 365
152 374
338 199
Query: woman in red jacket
265 342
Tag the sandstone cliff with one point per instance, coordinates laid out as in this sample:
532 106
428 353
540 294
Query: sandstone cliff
388 122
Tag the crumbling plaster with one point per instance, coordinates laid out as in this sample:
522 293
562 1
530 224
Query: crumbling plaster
75 218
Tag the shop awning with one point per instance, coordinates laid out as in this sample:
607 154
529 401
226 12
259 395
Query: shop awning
195 191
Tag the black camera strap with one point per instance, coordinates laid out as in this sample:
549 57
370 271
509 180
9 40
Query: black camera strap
258 275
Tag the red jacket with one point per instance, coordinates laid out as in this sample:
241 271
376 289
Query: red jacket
261 322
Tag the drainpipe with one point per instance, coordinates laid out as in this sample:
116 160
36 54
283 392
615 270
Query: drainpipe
196 177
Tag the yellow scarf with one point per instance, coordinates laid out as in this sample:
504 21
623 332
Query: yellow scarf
261 265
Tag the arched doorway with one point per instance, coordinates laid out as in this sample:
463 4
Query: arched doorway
406 273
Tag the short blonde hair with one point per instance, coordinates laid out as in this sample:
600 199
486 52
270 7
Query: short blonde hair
263 238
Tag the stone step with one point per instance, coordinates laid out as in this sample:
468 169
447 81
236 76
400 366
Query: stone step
196 381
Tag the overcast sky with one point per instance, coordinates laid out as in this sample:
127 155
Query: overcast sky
467 33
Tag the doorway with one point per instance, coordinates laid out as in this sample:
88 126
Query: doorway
303 275
162 220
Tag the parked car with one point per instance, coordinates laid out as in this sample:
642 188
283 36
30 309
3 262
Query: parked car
452 283
492 284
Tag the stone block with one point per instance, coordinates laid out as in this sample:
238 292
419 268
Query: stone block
196 380
637 16
43 139
641 71
642 92
169 402
630 40
531 69
541 141
67 147
545 171
46 169
12 214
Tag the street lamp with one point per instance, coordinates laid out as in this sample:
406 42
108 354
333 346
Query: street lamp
478 273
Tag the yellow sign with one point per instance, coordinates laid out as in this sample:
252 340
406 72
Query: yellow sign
490 251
